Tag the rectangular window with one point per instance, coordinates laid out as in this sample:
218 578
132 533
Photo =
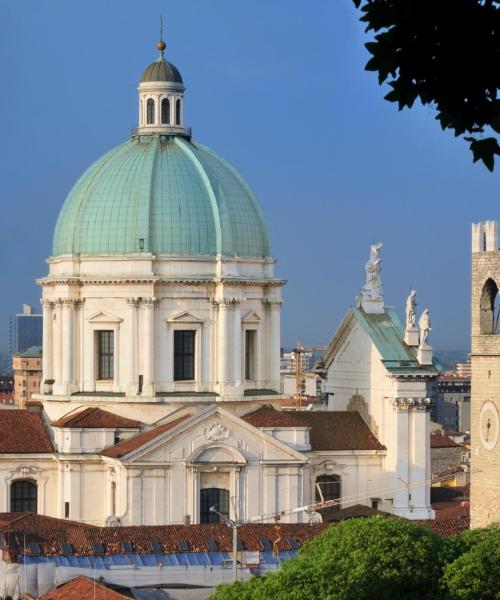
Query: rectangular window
66 510
184 355
106 354
250 337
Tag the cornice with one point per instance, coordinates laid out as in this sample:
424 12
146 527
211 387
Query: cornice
53 281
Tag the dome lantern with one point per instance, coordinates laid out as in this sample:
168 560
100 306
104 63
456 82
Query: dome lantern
161 98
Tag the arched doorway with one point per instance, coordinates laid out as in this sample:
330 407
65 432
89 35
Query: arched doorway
217 497
23 496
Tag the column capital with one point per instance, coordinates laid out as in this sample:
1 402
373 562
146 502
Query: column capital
134 302
273 303
149 302
421 404
47 303
227 302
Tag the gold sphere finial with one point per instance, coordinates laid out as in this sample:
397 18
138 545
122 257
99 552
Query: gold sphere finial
161 46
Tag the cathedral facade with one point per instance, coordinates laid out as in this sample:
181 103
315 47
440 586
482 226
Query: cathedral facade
161 351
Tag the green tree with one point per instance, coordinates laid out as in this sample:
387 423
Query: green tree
447 54
475 574
359 558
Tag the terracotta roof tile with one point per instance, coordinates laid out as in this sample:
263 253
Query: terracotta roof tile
267 416
123 448
197 536
83 588
441 441
339 430
30 522
96 418
447 527
23 432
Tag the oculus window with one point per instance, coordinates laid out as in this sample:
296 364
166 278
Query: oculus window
184 354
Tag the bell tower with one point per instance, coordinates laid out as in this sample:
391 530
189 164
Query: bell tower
485 359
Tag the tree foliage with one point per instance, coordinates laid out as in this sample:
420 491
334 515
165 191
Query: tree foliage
358 558
476 571
445 53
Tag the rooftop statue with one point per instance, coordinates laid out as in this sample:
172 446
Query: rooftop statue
425 327
373 268
411 303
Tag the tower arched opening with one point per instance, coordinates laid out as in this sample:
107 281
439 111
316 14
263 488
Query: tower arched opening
489 307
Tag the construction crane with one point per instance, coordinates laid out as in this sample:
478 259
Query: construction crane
300 375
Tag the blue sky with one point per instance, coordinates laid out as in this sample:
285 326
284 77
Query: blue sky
278 88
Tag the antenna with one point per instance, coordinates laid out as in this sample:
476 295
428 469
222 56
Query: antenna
161 28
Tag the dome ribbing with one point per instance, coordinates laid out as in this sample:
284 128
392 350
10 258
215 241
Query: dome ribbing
164 195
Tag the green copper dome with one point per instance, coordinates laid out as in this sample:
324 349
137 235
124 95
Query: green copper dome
161 70
164 195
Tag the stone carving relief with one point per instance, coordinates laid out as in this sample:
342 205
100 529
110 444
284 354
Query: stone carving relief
216 432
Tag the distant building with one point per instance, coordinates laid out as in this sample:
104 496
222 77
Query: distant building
25 330
464 369
289 361
6 389
27 368
311 385
451 403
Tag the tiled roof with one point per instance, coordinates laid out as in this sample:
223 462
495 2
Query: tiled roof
339 430
96 418
441 441
451 502
23 432
267 416
30 522
354 512
83 588
447 527
197 537
123 448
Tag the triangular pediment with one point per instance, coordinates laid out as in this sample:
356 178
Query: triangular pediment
104 317
185 317
210 435
251 317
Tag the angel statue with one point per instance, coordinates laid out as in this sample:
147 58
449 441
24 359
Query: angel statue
425 327
411 303
372 269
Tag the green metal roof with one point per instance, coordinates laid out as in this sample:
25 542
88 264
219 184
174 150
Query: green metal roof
386 331
164 195
31 352
161 70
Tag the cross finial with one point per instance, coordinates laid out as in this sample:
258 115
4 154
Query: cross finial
161 44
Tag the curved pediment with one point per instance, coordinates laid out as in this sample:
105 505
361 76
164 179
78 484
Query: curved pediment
216 454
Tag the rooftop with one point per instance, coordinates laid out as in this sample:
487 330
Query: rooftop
339 430
267 416
83 588
31 352
130 444
23 432
90 418
442 441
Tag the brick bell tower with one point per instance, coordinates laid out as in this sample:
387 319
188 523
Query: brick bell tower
485 359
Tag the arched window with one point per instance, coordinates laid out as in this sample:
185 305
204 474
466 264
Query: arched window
23 496
150 108
165 111
330 488
219 498
490 311
177 112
